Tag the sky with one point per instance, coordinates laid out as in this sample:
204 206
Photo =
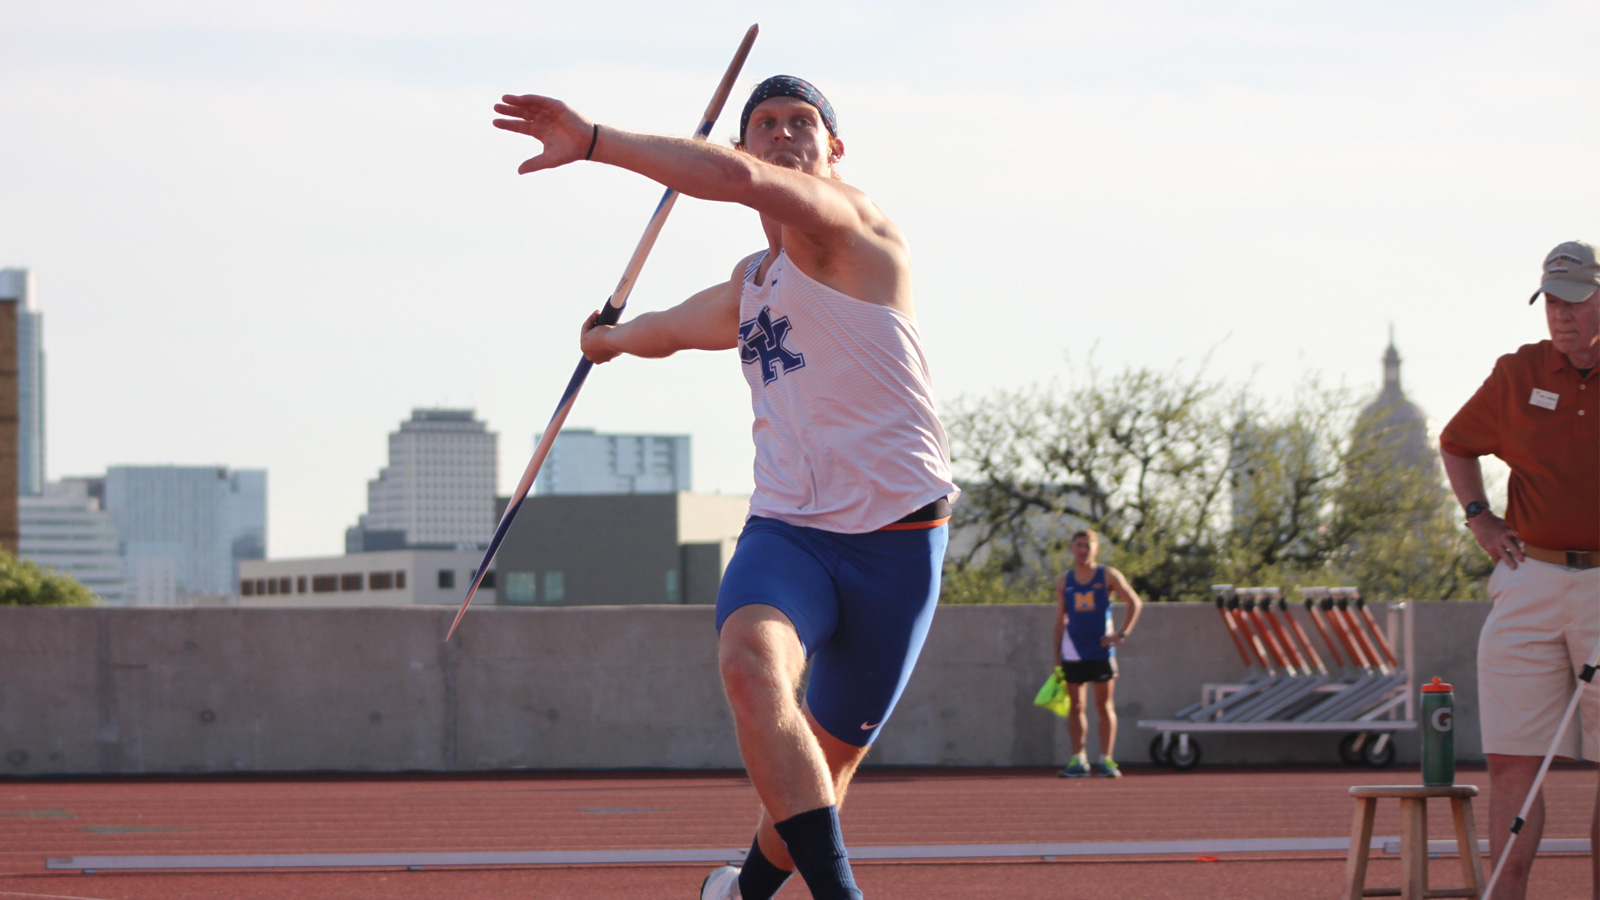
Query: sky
262 233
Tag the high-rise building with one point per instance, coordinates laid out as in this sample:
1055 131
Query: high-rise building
203 518
582 461
438 488
152 580
65 529
17 285
9 444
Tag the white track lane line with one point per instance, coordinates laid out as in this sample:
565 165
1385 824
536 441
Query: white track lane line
1387 844
50 895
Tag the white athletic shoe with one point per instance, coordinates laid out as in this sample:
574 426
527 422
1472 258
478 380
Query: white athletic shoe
721 884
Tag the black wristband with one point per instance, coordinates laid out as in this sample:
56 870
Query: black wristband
592 139
1475 508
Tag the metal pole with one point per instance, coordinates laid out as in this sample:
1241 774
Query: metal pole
1585 678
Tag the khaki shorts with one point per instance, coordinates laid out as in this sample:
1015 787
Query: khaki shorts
1542 631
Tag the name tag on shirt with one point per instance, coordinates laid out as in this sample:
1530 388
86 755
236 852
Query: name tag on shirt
1545 399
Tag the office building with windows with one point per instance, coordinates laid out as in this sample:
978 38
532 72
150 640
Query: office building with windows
16 285
436 491
64 528
380 578
152 580
583 461
619 549
205 519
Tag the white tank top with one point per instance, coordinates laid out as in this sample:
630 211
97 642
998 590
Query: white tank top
845 432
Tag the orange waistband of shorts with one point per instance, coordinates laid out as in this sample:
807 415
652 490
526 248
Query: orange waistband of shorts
1572 559
913 526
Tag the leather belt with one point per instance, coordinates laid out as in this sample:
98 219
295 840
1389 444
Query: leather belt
1572 559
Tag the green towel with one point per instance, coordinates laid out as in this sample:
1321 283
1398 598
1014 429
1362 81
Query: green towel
1053 695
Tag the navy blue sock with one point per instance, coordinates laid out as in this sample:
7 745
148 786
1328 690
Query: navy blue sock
817 847
759 879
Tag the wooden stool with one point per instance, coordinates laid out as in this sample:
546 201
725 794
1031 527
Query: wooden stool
1413 841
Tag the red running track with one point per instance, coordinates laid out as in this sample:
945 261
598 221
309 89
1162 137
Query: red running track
56 818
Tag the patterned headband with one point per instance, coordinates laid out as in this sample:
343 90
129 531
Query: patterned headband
789 86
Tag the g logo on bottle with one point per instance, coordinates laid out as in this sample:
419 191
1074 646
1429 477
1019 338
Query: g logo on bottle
1443 719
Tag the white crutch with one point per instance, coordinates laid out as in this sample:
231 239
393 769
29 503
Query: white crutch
1585 678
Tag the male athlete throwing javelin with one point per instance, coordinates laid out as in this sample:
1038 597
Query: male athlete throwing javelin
839 561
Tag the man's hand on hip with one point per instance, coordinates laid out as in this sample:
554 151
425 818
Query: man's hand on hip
1496 538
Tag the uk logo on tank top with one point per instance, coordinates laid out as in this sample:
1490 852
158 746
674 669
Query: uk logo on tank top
762 340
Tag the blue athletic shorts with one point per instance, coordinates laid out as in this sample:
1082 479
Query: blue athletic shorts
861 604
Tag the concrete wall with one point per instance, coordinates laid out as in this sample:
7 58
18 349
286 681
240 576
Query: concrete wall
375 689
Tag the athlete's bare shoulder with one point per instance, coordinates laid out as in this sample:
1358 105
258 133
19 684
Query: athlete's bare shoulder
876 220
741 269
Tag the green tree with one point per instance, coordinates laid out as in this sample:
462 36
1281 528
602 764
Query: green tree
1141 458
1191 483
24 583
1321 497
1399 531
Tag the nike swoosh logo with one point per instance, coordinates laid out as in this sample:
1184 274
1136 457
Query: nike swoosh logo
868 726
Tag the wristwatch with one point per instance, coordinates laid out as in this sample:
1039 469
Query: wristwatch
1476 507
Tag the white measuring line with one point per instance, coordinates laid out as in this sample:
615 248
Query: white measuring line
1548 845
624 857
48 895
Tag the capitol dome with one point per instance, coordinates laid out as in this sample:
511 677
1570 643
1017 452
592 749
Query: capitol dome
1396 421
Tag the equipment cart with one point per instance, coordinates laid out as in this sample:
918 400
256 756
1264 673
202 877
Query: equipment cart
1365 695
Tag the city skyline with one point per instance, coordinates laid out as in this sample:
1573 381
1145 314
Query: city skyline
285 226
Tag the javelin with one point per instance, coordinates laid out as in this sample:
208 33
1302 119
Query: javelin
609 314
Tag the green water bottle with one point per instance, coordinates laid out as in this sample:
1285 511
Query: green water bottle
1438 733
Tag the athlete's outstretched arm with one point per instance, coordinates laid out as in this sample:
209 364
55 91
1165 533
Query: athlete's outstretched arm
709 320
810 204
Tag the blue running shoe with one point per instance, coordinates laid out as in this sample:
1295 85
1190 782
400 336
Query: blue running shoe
1077 768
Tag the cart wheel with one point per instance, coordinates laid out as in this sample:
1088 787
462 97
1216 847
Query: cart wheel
1160 755
1184 761
1350 747
1379 754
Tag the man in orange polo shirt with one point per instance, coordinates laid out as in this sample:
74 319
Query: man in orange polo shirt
1539 411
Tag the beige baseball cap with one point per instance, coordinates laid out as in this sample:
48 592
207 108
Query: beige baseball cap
1570 273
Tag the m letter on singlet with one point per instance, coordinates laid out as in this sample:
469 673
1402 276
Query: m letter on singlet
761 341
